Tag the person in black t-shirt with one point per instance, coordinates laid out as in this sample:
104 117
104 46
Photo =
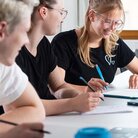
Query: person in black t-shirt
38 61
97 42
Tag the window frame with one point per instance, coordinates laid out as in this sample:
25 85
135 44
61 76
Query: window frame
129 34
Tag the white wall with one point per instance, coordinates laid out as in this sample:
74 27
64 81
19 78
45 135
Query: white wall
131 10
76 14
71 20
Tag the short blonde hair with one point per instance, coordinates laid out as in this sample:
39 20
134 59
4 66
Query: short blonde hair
31 3
12 11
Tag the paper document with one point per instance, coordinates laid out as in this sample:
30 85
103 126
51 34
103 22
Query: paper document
109 109
122 80
122 93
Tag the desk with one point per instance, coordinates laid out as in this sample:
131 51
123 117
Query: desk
66 125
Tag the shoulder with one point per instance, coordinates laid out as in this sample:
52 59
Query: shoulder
122 43
10 71
123 46
12 82
123 49
65 35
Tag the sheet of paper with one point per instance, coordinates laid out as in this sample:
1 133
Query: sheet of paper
108 110
122 93
121 80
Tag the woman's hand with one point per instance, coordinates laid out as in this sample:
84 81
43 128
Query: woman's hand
97 84
133 81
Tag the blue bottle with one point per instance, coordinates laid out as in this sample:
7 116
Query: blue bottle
93 132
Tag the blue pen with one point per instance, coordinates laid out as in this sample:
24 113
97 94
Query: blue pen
100 73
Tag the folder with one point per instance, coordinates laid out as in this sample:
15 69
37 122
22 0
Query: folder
122 93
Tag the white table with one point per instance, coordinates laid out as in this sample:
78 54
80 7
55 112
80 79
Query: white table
66 125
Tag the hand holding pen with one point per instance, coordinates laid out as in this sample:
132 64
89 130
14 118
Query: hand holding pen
98 84
89 86
25 130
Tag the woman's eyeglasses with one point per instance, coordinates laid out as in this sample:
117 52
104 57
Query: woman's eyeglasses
118 24
62 12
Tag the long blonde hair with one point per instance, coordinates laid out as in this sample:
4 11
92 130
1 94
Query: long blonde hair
99 6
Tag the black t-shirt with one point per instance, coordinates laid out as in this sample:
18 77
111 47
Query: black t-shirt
1 110
65 47
39 67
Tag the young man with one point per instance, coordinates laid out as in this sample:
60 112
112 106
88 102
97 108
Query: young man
20 101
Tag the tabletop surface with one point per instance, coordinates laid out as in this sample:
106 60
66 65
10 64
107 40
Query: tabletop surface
66 125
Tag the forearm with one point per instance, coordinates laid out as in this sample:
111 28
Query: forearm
79 87
66 91
59 106
81 103
20 115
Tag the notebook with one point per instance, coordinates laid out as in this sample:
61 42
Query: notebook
119 132
122 93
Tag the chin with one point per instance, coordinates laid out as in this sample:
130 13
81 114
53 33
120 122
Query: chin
50 33
7 63
10 62
106 36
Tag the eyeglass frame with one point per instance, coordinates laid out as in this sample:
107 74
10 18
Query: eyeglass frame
110 21
61 11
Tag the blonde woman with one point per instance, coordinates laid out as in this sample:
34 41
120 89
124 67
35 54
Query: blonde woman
97 42
20 101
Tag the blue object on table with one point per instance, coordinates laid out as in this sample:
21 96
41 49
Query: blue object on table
93 132
99 72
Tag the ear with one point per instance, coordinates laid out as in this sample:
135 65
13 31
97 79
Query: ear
3 26
91 15
43 12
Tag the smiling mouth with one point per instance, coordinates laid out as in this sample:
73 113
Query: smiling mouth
107 32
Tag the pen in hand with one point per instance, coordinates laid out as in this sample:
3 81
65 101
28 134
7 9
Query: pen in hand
14 124
81 78
100 73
